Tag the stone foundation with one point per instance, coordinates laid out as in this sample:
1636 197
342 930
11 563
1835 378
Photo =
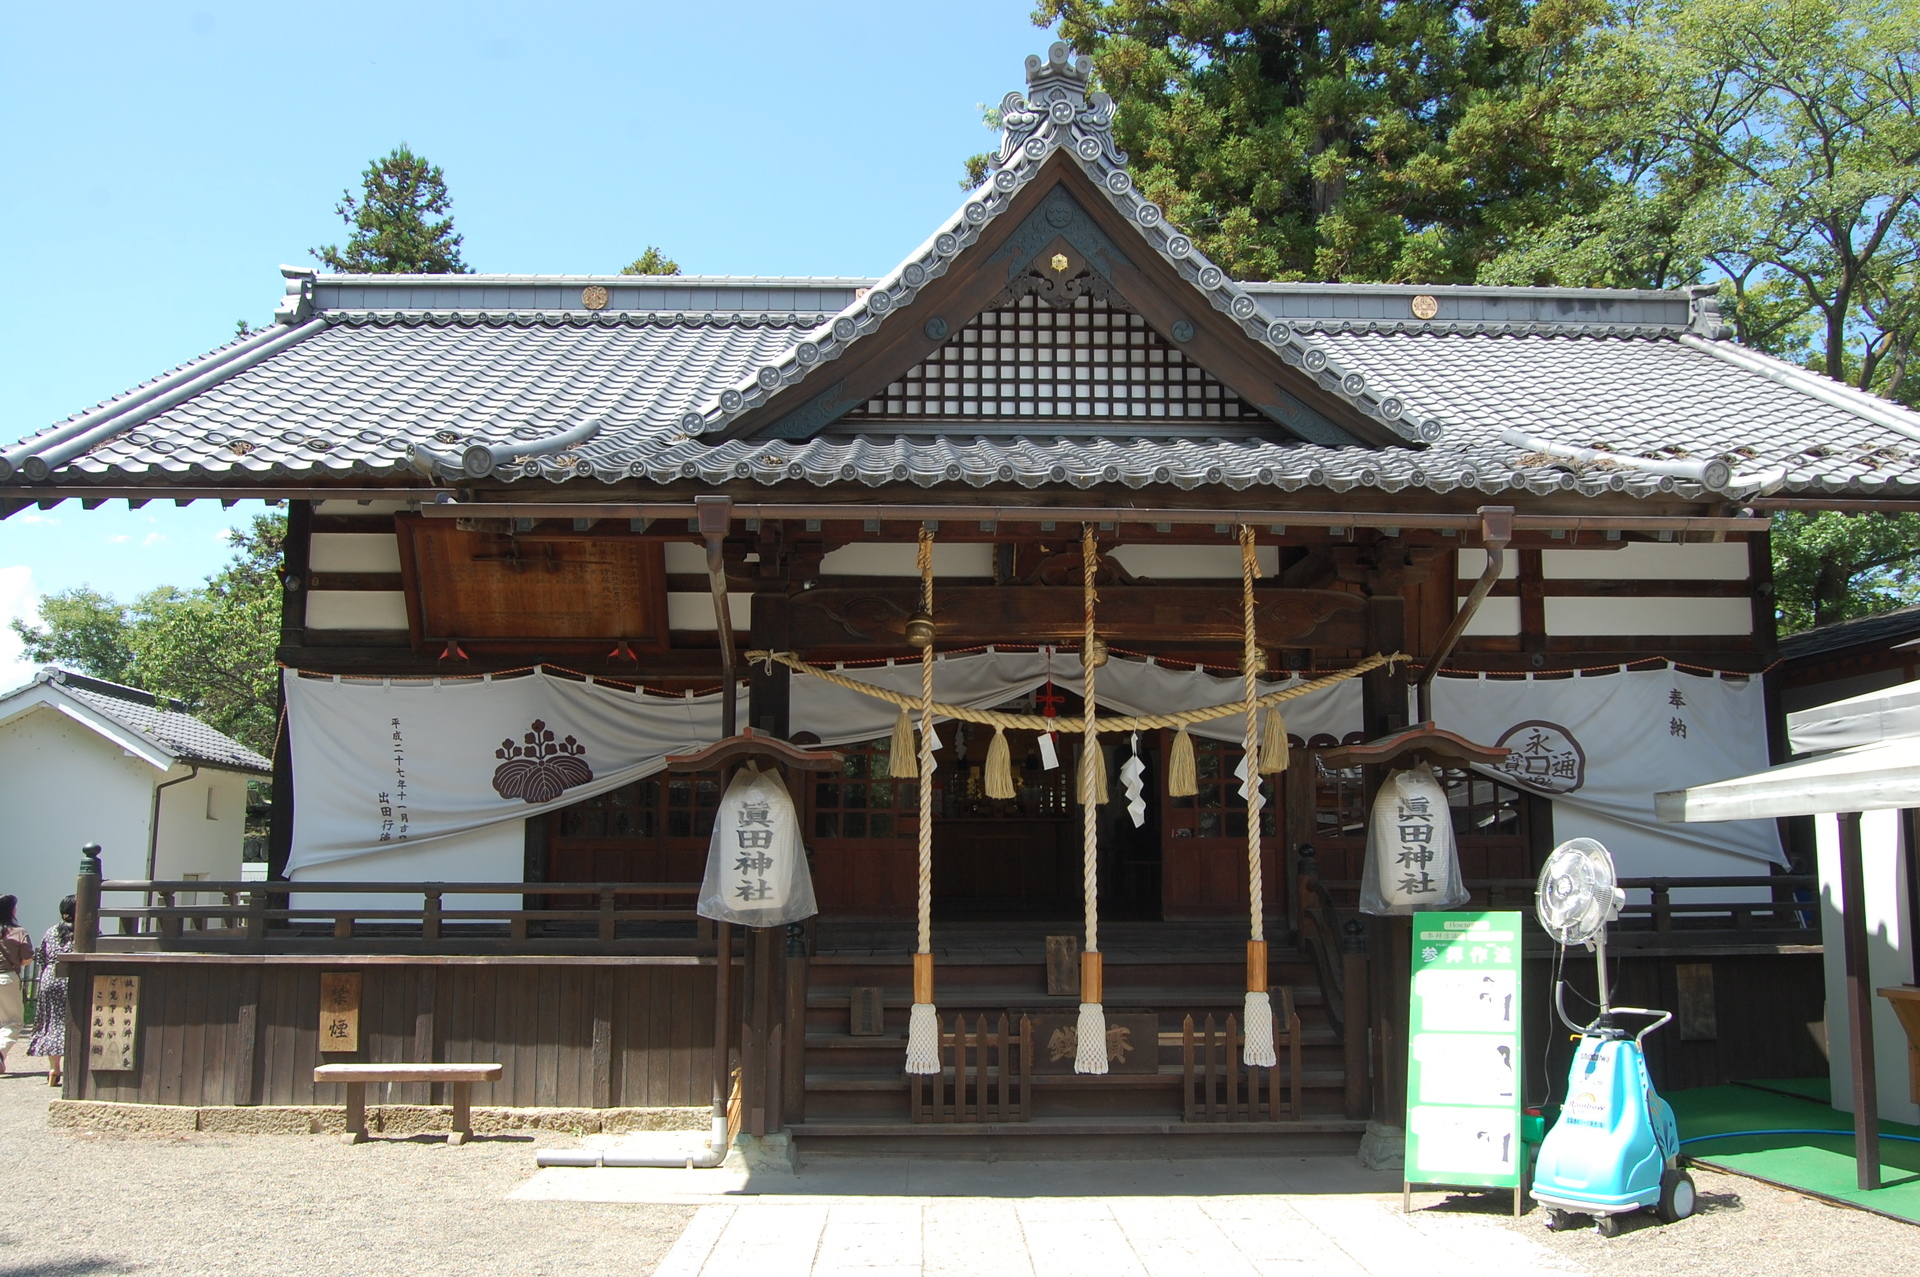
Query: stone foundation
382 1119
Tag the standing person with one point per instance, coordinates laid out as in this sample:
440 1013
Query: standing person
50 1008
16 950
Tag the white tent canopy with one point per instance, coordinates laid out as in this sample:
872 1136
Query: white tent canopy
1867 719
1867 778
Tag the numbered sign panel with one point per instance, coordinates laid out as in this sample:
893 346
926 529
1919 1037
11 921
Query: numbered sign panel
1465 1075
116 1022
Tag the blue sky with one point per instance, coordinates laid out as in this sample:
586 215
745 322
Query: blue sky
163 159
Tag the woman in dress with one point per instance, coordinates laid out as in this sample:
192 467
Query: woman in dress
50 1008
16 950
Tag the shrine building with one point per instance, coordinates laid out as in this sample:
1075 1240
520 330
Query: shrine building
554 541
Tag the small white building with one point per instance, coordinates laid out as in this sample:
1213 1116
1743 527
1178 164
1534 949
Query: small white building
84 760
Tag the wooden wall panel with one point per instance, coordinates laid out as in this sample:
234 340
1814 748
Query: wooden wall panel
535 1019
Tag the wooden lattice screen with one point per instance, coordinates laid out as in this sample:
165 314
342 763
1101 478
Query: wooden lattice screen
1032 359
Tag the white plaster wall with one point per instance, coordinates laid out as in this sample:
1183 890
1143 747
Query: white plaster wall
903 559
1890 943
354 552
1649 616
360 610
1496 615
1193 562
189 841
1474 562
1649 561
695 611
496 853
62 785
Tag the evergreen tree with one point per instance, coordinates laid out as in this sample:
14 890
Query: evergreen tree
651 262
401 221
1397 140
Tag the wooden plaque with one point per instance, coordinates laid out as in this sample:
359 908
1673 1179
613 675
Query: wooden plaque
1133 1042
1063 966
339 1011
493 586
867 1013
114 1032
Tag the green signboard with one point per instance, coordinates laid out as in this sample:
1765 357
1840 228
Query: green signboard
1464 1069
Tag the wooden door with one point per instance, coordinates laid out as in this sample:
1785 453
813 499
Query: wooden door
865 827
1203 854
654 830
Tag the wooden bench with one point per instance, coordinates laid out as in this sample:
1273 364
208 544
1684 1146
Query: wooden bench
356 1076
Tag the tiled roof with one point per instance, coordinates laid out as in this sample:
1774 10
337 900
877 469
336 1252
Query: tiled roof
1883 629
1495 391
161 720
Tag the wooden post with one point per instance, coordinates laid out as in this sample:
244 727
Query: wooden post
1853 925
795 1089
1354 976
356 1131
86 902
608 925
722 1018
430 916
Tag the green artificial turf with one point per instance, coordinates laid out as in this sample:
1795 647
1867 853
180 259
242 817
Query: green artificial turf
1819 1164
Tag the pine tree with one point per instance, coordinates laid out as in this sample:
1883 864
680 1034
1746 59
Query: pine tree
393 221
1395 140
651 262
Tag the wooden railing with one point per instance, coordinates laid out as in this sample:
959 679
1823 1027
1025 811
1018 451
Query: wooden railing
1785 911
135 914
986 1074
1217 1087
1338 947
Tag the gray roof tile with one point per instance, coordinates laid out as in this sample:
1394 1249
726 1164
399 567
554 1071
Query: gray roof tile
377 365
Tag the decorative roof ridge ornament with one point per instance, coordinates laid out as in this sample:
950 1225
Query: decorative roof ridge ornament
1058 113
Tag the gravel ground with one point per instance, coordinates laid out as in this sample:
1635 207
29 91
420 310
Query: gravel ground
1743 1228
78 1203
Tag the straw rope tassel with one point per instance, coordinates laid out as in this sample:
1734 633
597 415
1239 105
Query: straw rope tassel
999 778
923 1022
1257 1020
1091 1053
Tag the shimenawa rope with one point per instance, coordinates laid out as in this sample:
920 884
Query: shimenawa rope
1257 1018
1090 1055
923 1021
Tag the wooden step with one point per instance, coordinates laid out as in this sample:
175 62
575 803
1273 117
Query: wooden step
1059 1126
850 1080
987 997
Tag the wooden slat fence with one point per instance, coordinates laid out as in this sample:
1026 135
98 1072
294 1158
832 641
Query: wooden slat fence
1217 1087
986 1074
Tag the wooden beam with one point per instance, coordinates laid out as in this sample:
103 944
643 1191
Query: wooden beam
835 617
1853 926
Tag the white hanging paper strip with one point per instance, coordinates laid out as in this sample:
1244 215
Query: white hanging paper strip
1133 783
1049 752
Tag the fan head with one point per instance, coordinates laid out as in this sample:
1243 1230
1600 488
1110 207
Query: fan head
1577 897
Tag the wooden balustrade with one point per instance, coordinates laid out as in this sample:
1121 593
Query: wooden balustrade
135 914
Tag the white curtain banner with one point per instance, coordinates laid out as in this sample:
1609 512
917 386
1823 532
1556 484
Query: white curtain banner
379 766
383 766
1606 743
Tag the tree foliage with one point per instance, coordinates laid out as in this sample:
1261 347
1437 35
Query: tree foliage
1772 144
651 262
212 647
1831 567
1400 140
402 223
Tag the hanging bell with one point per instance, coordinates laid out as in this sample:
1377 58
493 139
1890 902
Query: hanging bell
1093 653
920 630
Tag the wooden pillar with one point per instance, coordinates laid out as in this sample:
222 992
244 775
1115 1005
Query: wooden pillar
293 634
1853 926
1383 702
794 1026
769 690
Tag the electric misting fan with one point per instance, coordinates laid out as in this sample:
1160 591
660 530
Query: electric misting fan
1615 1147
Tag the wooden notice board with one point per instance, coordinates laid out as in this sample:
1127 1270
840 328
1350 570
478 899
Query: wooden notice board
498 586
339 1011
114 1031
